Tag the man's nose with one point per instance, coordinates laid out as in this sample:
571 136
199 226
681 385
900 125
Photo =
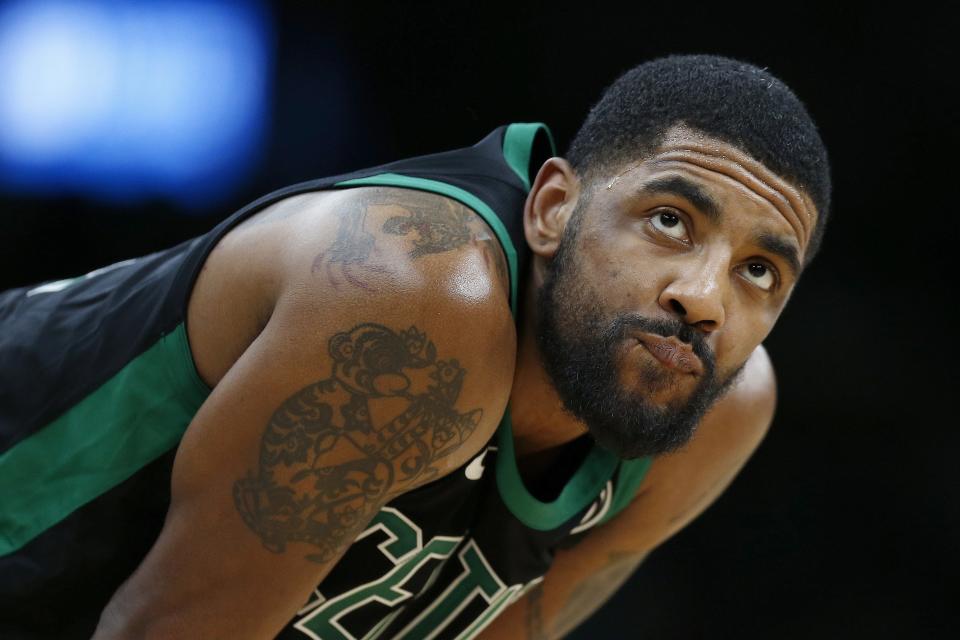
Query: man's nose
697 294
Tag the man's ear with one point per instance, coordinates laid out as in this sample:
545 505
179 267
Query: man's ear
552 199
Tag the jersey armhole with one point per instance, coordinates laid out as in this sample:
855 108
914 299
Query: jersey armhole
526 145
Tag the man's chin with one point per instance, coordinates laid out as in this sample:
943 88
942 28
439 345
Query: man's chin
665 398
626 447
643 430
653 421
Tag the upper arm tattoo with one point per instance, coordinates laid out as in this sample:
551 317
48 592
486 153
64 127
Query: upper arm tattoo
535 629
333 451
590 593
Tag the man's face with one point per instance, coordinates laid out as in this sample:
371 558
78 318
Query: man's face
671 271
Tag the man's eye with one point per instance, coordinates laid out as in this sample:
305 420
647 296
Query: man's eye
760 275
669 224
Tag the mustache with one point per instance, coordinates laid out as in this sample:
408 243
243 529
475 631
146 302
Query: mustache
625 324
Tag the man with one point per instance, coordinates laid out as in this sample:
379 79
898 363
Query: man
323 381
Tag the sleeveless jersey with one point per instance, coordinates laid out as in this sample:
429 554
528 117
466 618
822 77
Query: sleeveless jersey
98 385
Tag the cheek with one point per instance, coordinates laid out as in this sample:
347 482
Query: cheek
620 274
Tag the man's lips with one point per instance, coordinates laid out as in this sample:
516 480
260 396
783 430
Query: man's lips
672 352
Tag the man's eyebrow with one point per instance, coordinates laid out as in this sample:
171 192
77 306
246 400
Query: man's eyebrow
686 189
782 247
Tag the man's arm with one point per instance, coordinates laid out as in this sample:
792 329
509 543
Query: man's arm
678 488
363 384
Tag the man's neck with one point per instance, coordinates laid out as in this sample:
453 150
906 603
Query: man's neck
539 421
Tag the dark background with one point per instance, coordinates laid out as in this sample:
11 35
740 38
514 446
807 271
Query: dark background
845 523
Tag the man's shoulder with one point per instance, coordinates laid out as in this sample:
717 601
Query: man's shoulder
753 397
725 439
680 485
380 248
734 426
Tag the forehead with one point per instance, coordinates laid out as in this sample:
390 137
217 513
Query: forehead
725 175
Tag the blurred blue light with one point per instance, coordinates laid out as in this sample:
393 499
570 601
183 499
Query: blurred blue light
128 100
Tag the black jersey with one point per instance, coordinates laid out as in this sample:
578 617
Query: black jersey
98 385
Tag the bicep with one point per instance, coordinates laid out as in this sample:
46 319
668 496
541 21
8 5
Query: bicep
231 534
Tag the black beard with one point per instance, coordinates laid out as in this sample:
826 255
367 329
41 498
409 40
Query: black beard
580 349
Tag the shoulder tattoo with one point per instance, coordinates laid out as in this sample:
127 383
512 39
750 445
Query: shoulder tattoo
432 224
334 450
348 257
436 224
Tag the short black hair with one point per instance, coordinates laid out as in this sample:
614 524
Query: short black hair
727 99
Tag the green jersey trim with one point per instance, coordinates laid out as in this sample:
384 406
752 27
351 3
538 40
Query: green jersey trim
130 420
518 145
629 479
581 490
465 197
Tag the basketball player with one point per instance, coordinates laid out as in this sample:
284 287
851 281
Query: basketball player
456 396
